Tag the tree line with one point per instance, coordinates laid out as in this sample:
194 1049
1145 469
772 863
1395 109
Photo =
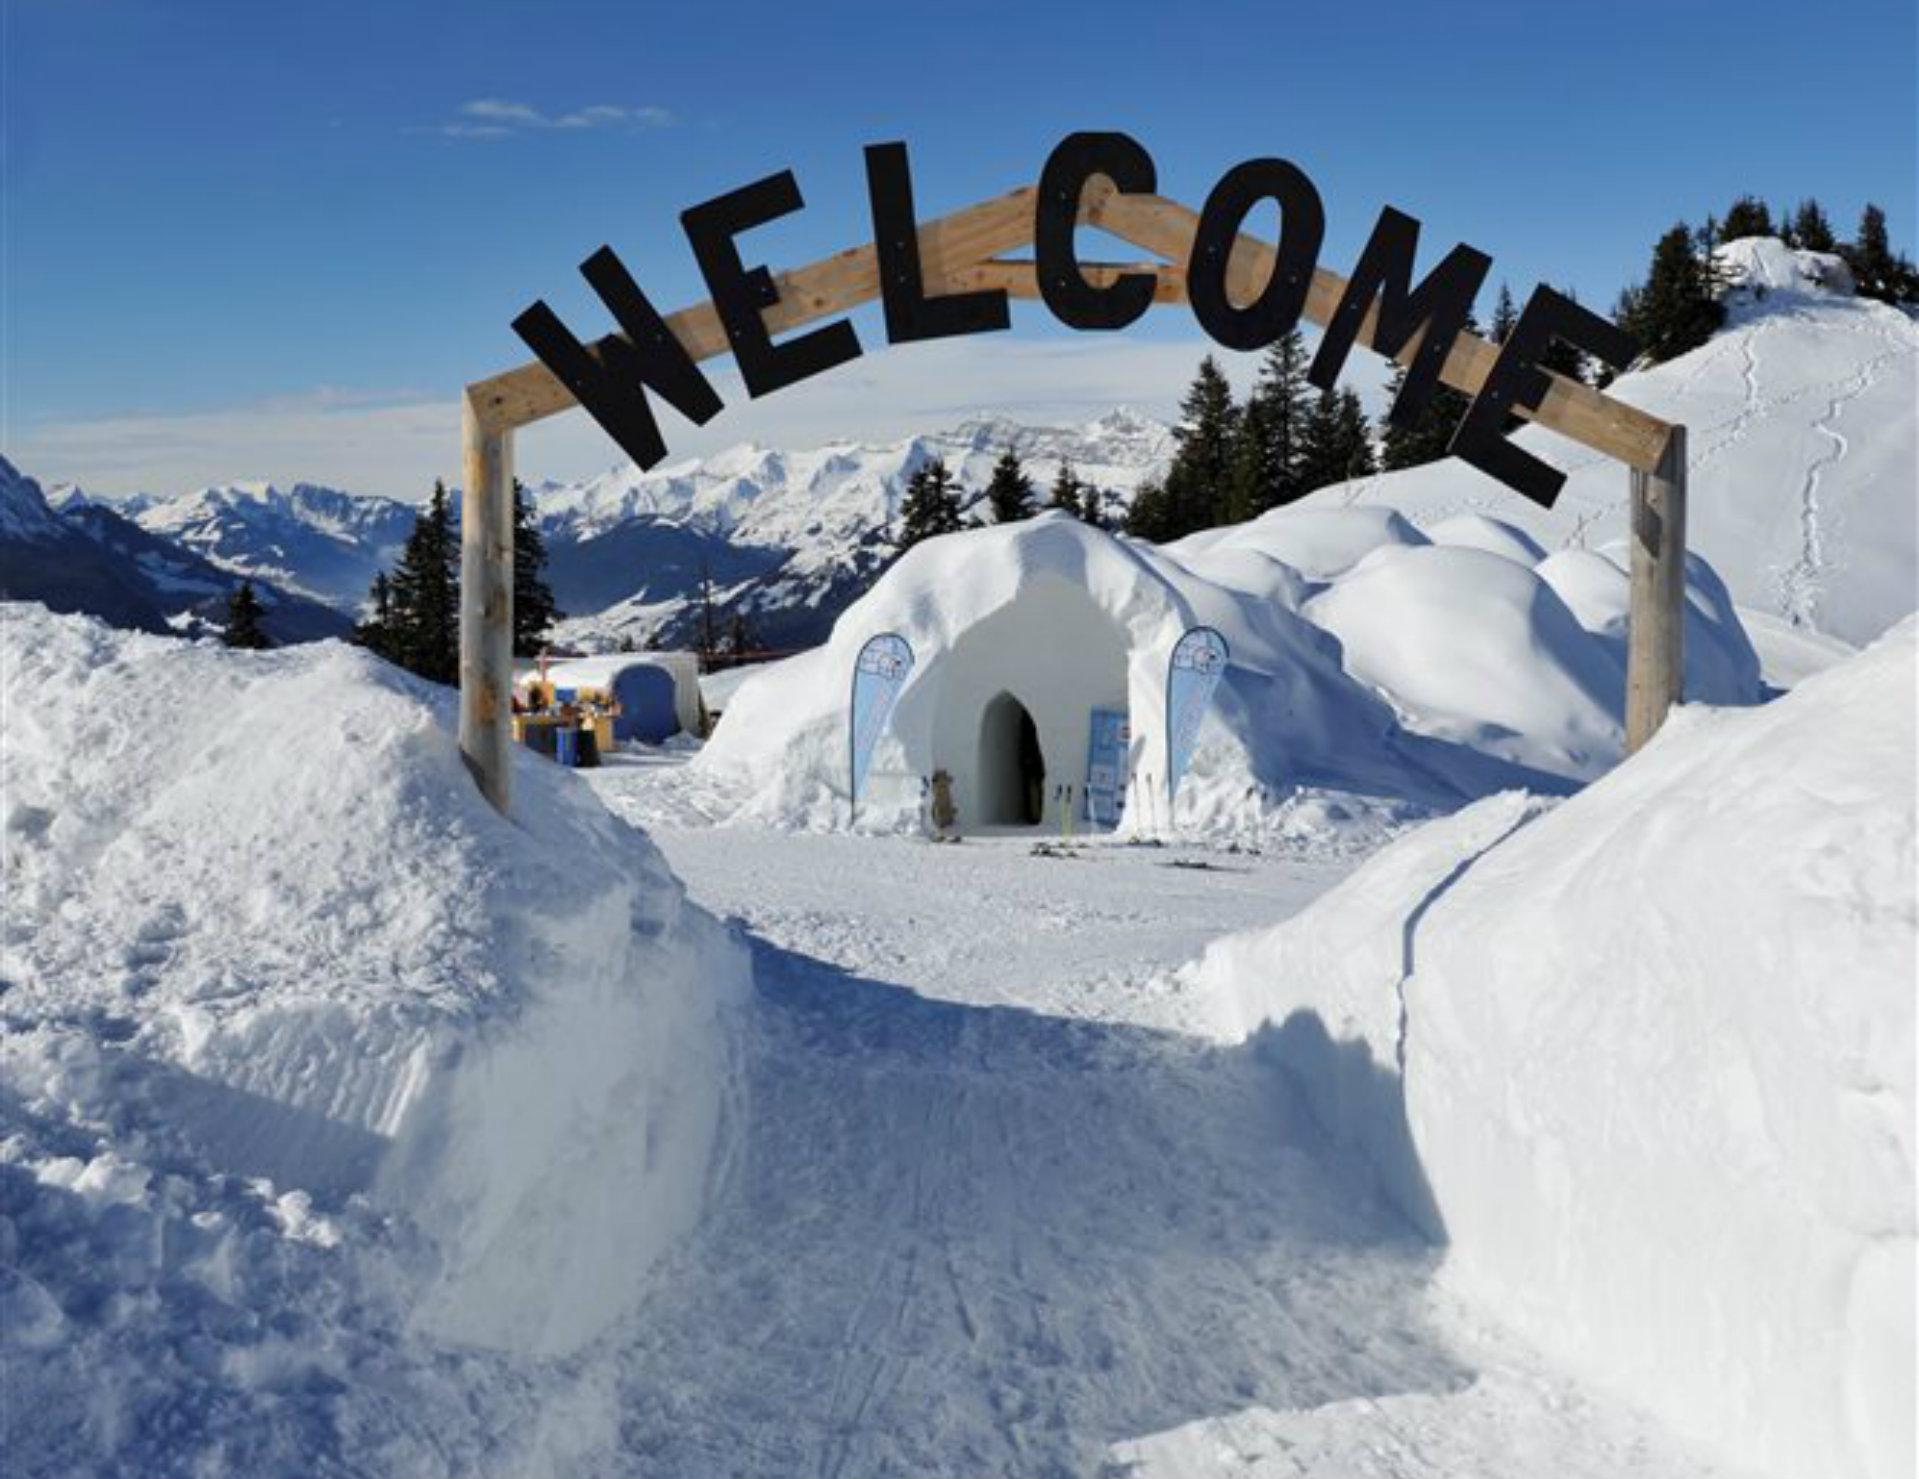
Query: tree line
415 609
1676 307
936 502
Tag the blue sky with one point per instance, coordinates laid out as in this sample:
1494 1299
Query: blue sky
270 240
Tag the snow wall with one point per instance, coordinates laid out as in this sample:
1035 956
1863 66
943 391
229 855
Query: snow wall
1367 658
1657 1049
267 882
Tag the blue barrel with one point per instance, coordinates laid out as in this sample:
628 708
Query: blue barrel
566 749
539 737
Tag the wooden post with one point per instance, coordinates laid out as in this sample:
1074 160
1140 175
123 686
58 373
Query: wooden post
486 601
1656 632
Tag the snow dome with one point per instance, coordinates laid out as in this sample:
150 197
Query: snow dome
1365 658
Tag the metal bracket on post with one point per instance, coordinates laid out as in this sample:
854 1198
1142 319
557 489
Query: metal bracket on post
486 602
1656 624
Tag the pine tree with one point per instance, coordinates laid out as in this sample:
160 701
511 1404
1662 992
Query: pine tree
1146 517
424 596
1706 242
1429 434
1197 490
1877 271
245 618
709 631
1353 439
1505 316
1811 231
1009 492
376 632
931 506
740 641
1337 444
1065 492
533 608
1266 455
1091 508
1675 310
1748 217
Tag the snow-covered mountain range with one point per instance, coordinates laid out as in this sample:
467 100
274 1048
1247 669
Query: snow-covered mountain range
791 537
319 542
788 536
89 556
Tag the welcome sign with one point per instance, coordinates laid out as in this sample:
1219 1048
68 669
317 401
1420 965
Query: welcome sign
952 275
1421 322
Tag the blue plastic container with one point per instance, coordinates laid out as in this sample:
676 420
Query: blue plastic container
566 748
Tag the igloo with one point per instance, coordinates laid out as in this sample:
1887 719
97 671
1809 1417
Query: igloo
1025 634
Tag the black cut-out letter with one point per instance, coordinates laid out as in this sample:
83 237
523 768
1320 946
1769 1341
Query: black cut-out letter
1516 380
1302 228
1440 305
741 295
910 314
611 380
1075 301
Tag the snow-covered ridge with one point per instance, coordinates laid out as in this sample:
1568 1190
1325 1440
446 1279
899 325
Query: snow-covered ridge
1653 1052
319 542
25 514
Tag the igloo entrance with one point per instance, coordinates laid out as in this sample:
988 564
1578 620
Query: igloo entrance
1012 771
1013 699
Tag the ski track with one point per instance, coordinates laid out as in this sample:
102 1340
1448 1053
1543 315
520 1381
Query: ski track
1802 582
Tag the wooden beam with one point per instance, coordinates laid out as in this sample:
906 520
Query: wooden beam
831 285
1568 407
486 604
1656 619
1021 279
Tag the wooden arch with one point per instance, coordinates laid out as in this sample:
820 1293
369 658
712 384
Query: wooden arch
964 251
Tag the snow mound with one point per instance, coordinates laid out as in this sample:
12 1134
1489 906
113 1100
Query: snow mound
1762 265
262 890
1803 423
1657 1053
1365 661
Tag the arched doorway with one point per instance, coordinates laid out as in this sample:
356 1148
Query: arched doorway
1012 770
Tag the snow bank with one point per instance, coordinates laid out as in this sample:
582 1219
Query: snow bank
262 890
1367 661
1803 415
1657 1054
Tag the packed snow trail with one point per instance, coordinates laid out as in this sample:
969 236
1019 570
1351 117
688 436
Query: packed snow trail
989 1210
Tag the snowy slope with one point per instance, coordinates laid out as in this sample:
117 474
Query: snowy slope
1657 1058
1803 417
314 1065
317 542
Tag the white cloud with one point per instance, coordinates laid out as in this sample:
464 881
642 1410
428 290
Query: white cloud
492 118
397 444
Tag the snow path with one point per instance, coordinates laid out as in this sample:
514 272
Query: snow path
991 1212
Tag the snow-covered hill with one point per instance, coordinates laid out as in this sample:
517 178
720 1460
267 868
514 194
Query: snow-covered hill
334 1102
1803 420
318 542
